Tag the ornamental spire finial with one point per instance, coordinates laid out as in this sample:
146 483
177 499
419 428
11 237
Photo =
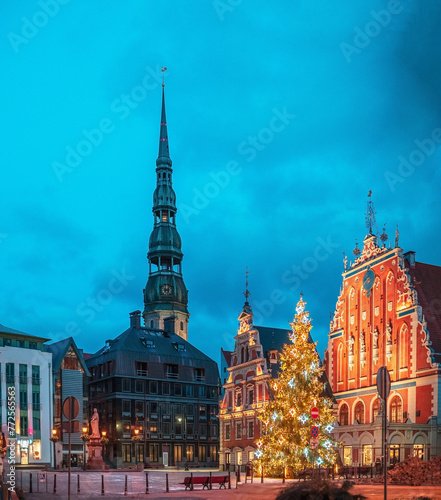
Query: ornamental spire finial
371 223
247 293
163 136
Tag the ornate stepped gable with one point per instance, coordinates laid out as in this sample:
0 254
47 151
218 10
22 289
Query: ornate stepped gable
386 315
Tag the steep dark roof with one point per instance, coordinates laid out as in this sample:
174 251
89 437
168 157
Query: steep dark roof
427 282
11 331
156 347
59 349
227 356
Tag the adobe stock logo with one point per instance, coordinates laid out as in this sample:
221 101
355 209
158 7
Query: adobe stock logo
363 37
32 26
406 166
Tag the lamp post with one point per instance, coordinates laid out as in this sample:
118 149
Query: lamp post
54 439
135 439
104 441
84 437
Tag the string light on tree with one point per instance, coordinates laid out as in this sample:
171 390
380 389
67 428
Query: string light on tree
286 439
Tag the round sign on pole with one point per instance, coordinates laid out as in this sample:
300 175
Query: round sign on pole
314 431
383 382
315 412
71 408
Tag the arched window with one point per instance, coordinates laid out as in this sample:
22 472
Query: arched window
375 409
404 334
238 398
359 412
340 363
344 414
396 410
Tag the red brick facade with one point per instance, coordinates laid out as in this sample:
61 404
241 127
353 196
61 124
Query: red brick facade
383 318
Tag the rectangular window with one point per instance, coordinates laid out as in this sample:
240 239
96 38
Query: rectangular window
126 411
250 396
23 426
154 452
126 453
166 388
126 385
213 453
418 451
171 371
202 453
23 372
153 427
347 455
10 372
214 430
126 426
177 453
153 387
7 342
154 407
250 456
203 430
367 454
166 427
141 369
227 431
189 452
35 375
23 400
251 429
202 412
32 345
36 423
139 386
190 410
239 430
20 343
394 453
36 401
140 453
199 374
213 411
178 389
201 391
190 428
139 408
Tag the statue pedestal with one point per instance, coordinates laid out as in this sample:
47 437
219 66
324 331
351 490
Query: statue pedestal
95 460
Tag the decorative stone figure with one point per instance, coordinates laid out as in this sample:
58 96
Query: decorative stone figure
389 333
94 422
375 338
362 343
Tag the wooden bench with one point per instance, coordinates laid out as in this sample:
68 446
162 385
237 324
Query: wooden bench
189 481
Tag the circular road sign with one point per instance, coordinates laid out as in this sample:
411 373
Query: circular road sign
383 382
315 412
314 431
71 408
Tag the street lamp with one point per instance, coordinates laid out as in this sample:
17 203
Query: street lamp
104 440
54 438
135 439
84 437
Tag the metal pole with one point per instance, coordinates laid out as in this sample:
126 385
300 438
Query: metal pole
30 482
166 482
385 437
125 484
70 450
102 485
78 483
55 483
146 483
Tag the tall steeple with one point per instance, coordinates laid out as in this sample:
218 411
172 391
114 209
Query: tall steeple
165 294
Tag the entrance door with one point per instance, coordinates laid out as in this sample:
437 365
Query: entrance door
24 456
165 458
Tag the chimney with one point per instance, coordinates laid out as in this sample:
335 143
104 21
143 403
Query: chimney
169 324
410 257
135 319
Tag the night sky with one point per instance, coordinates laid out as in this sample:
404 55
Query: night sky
281 117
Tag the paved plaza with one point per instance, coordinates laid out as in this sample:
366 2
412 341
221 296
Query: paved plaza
91 483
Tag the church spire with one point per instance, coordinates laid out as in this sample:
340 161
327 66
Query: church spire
163 136
165 294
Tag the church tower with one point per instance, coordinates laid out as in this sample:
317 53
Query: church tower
165 294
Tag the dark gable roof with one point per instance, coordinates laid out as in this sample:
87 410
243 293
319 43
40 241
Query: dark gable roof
59 349
156 347
227 356
427 282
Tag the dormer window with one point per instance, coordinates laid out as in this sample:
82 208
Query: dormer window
273 357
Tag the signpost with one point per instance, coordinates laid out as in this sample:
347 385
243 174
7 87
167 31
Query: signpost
313 443
383 388
71 408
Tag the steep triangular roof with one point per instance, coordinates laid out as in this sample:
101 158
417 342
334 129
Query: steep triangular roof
59 350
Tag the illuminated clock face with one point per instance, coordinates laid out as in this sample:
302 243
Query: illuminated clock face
166 289
368 280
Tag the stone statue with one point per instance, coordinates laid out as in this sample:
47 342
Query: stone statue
375 338
351 346
94 422
362 342
389 333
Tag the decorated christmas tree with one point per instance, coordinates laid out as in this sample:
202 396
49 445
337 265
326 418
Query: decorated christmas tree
298 421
